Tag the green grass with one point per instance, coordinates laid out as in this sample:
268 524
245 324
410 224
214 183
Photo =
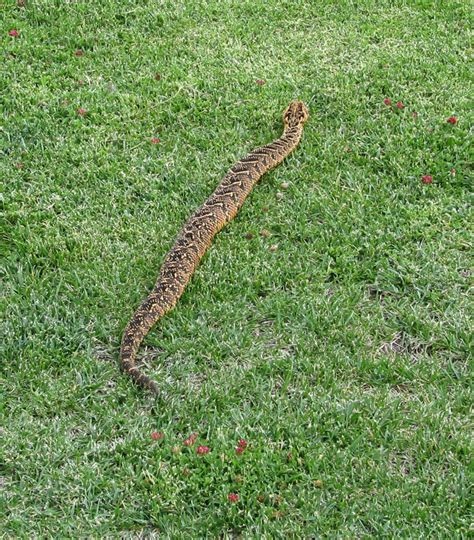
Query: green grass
342 357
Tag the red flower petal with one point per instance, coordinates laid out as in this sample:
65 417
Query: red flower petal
452 120
13 33
387 101
191 439
260 82
239 449
242 443
155 140
400 105
233 497
203 450
79 52
81 111
427 179
156 435
414 114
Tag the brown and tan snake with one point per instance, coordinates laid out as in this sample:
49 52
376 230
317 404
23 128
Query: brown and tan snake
198 232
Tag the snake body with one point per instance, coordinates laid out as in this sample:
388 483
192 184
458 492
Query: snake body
197 234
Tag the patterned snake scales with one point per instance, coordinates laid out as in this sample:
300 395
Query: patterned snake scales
198 232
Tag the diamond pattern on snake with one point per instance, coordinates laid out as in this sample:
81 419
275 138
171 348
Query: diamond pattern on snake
197 234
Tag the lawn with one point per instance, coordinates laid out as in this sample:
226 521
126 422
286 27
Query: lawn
337 346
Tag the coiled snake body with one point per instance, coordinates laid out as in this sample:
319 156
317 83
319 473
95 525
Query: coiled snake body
198 232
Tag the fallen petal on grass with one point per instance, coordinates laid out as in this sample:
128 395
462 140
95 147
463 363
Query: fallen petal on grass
191 439
243 443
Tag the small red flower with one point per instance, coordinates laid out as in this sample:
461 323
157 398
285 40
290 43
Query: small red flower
191 439
203 450
155 140
427 179
79 52
400 105
233 497
452 120
242 443
81 111
387 101
260 82
239 449
156 435
414 114
13 33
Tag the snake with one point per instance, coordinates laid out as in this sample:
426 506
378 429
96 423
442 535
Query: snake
197 234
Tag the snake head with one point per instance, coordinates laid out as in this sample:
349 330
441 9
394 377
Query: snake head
295 114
